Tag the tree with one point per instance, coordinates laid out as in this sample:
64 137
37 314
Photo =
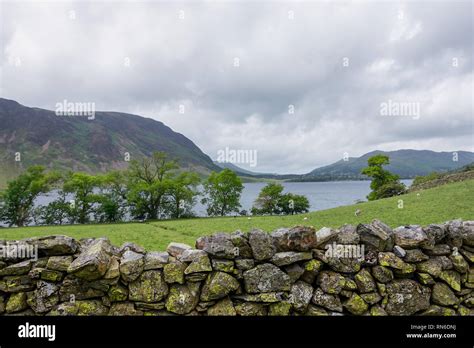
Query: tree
290 203
112 201
57 211
222 193
380 176
18 198
267 200
82 187
149 179
182 194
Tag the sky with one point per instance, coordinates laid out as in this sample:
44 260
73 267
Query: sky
297 84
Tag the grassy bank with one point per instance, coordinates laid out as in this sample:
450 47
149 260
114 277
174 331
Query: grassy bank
434 205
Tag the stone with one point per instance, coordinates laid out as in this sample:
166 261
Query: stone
282 308
356 305
409 237
266 278
50 275
190 255
149 306
328 301
218 285
55 245
382 274
468 233
262 245
44 298
294 271
117 293
435 234
114 268
454 233
224 307
311 270
200 264
266 297
432 266
124 308
345 264
131 246
17 268
439 311
176 249
251 309
415 255
223 265
289 257
300 295
391 260
315 311
425 278
377 311
16 302
452 278
218 245
376 235
442 295
439 250
93 262
182 299
331 282
325 235
240 241
81 308
364 281
59 263
406 297
195 277
371 298
149 287
399 251
299 238
16 283
244 264
348 235
132 265
349 284
459 263
174 272
79 289
155 260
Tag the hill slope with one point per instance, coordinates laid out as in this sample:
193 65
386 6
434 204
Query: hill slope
406 163
77 143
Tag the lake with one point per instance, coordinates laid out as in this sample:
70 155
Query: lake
321 195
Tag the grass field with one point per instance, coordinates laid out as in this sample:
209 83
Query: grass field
435 205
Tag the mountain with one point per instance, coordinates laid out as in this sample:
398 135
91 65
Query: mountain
237 169
91 145
406 163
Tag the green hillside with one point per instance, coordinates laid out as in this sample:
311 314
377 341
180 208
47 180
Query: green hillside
435 205
82 144
406 163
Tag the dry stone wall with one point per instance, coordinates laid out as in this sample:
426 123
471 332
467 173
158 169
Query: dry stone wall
369 269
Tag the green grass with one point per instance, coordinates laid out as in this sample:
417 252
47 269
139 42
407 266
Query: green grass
435 205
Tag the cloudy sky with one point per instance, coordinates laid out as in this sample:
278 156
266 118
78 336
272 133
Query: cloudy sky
301 83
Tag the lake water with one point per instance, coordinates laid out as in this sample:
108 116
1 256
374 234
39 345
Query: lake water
321 195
